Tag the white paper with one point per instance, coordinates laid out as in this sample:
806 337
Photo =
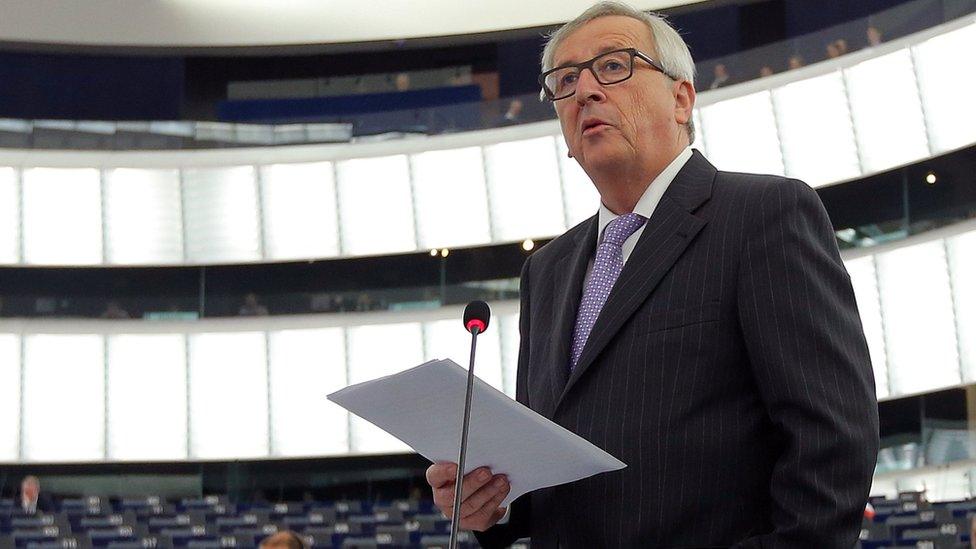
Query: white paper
423 407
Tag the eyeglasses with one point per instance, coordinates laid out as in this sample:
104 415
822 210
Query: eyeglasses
611 67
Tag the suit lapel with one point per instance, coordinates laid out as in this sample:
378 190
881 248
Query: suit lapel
667 234
568 278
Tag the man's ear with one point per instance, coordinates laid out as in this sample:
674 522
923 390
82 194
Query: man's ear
684 102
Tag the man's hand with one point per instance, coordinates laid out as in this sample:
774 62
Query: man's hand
481 495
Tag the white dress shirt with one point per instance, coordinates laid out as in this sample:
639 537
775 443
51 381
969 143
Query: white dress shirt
645 206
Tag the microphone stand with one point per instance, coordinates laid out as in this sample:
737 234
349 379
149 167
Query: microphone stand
456 515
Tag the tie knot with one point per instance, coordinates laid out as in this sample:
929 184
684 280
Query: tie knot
622 227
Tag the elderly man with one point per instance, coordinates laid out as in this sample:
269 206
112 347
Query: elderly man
700 327
32 501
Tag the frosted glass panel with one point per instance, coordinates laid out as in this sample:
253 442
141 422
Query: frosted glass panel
523 189
962 264
221 214
741 134
947 91
452 203
810 136
9 217
305 366
376 351
887 112
9 397
62 216
64 398
865 283
579 194
228 395
375 206
299 211
143 220
509 329
917 308
146 397
448 339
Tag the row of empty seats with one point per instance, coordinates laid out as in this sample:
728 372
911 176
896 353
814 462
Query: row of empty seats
910 521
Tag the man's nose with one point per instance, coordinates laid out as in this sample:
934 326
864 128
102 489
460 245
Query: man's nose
588 88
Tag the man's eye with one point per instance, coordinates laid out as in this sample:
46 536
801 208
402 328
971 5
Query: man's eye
612 65
567 79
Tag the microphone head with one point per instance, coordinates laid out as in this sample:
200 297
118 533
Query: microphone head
476 314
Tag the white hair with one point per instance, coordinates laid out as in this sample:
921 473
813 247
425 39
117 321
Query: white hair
671 51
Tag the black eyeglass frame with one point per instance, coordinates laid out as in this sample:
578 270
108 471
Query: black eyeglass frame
634 52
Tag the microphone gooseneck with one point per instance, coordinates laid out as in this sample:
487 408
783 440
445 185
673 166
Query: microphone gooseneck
476 317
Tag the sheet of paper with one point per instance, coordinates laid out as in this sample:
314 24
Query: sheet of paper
423 407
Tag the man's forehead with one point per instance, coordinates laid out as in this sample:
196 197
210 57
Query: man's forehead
601 35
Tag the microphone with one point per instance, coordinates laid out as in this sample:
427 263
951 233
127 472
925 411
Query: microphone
476 317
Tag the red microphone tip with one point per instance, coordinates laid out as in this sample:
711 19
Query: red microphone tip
474 322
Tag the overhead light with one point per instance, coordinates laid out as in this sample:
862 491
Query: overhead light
930 178
528 244
444 252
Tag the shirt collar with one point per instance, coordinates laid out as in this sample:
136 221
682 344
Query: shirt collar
652 195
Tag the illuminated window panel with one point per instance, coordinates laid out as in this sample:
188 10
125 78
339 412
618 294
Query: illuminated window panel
508 327
146 397
375 206
741 134
579 194
962 266
918 318
220 209
452 202
523 189
947 91
865 283
64 398
9 397
143 221
299 211
699 142
818 144
62 216
447 339
376 351
228 395
306 365
9 217
887 112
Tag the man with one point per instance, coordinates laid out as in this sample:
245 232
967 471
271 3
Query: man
286 539
721 77
701 328
32 502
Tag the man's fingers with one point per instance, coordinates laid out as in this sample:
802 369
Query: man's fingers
440 474
490 512
478 502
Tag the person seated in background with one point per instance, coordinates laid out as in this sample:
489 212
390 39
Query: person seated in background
402 82
721 77
114 311
286 539
841 46
874 36
832 51
765 71
795 62
252 307
514 113
32 501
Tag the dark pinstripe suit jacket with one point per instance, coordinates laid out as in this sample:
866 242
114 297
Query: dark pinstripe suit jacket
728 370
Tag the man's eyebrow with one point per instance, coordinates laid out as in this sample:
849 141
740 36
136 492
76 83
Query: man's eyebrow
599 52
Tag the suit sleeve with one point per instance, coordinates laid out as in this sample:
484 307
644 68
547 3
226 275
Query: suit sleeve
809 358
517 527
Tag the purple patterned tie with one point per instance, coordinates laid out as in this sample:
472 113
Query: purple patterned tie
607 265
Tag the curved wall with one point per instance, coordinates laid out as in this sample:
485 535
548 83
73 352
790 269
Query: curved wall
831 122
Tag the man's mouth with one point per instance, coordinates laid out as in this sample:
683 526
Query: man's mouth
593 126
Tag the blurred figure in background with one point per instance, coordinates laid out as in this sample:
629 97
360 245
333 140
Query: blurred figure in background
795 62
832 51
841 45
114 311
32 502
721 76
514 113
286 539
252 307
874 36
765 71
402 82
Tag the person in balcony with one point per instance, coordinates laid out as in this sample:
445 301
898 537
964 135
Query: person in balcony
874 36
252 307
721 78
765 71
32 501
114 311
795 62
